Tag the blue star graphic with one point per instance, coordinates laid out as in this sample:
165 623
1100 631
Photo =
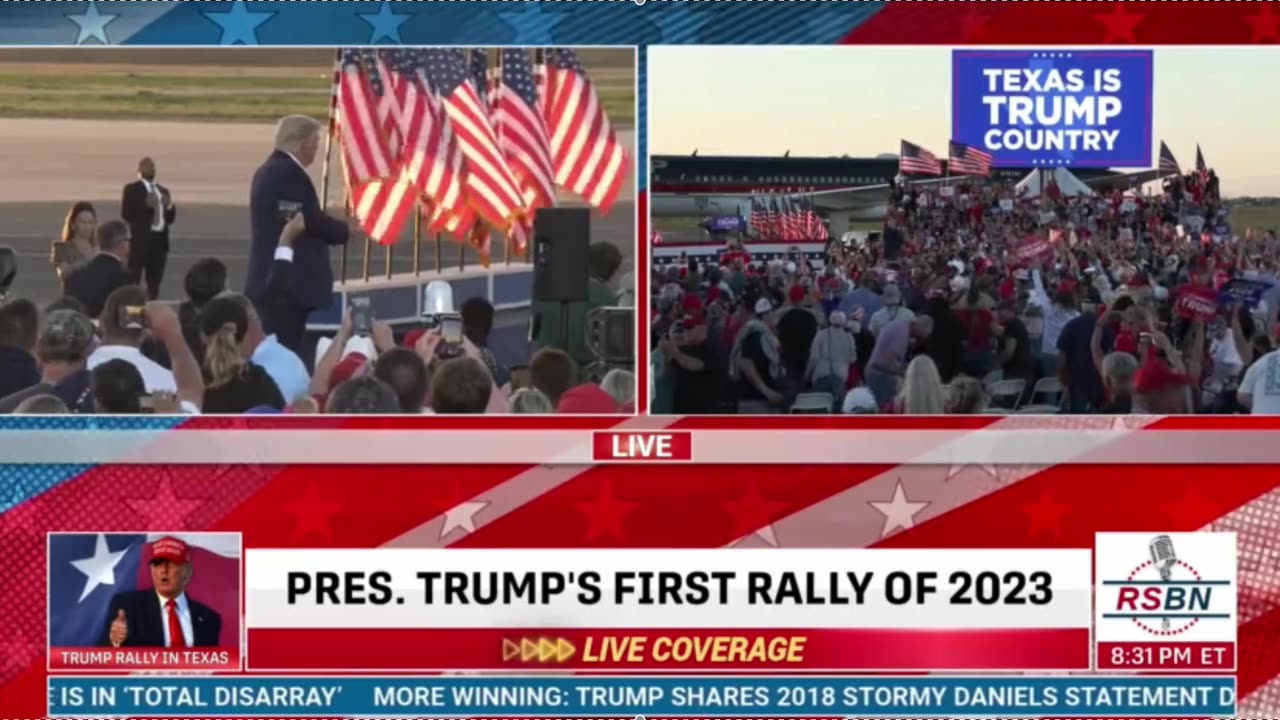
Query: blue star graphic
533 24
239 26
93 24
384 24
677 22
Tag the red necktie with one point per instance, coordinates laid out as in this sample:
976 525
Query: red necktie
176 639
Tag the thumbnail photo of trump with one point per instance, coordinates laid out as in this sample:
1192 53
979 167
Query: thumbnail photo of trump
144 602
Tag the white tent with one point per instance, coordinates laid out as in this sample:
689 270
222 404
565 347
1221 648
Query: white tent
1070 185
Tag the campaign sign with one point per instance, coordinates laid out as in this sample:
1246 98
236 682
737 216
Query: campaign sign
1165 602
1247 292
158 602
1068 108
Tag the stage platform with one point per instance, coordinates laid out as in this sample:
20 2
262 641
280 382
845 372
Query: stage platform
398 300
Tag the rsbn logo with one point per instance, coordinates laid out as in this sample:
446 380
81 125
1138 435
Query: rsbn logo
1166 595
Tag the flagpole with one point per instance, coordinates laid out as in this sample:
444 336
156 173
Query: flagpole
417 239
439 253
328 148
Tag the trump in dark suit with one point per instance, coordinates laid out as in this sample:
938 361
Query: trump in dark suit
281 189
163 617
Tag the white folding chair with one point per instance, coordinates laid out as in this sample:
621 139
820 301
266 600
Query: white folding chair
1047 391
1007 393
813 404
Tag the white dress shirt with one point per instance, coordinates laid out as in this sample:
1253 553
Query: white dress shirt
184 618
154 191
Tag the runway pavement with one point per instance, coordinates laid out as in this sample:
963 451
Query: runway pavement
49 164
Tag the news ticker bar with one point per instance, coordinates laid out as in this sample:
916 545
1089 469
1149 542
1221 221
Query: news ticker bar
637 697
1065 441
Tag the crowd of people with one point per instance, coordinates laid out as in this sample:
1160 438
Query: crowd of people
107 346
983 298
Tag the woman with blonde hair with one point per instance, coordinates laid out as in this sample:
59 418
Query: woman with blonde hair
922 392
966 396
77 245
232 384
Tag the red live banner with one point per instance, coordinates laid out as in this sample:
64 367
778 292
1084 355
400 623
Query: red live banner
642 446
667 650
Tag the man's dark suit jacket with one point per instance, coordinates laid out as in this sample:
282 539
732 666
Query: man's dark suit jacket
282 180
146 622
134 210
94 281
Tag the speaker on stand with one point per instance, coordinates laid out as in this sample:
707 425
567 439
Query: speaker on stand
562 260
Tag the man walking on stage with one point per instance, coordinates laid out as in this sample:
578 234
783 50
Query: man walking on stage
282 189
148 208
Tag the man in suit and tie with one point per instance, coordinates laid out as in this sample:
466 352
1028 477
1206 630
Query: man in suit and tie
163 617
148 208
107 272
282 190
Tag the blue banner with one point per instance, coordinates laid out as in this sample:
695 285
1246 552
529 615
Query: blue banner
725 224
1248 292
661 696
1061 108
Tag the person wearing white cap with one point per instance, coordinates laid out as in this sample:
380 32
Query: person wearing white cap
834 351
755 365
892 310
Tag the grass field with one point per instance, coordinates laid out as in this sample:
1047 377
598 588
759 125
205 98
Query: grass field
228 93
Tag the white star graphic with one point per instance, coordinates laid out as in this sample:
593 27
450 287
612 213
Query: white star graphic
99 569
766 534
899 513
93 24
988 470
462 517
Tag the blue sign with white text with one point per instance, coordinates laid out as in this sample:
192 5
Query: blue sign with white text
1057 108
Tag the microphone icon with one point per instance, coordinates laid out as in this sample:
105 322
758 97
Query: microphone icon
1163 558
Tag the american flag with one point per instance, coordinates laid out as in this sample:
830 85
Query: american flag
364 146
431 158
491 189
523 137
814 227
589 160
759 215
1168 163
915 160
1202 168
968 160
381 198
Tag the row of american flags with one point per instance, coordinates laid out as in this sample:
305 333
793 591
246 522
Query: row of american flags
965 159
474 148
786 217
962 159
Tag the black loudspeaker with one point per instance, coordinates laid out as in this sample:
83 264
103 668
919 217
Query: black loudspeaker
561 255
